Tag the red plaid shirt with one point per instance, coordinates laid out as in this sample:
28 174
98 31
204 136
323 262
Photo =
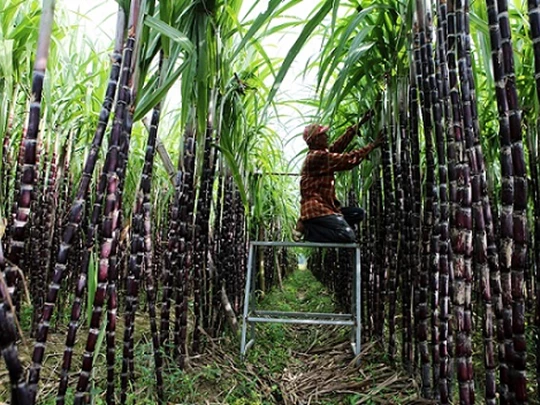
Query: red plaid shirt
317 182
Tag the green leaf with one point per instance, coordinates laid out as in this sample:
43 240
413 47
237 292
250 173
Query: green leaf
256 25
297 46
171 32
150 98
233 166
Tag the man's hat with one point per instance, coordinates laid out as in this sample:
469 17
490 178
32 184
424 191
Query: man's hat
312 131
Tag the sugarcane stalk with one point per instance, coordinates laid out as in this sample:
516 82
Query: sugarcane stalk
500 281
518 386
486 257
393 198
75 218
461 235
181 284
28 177
137 251
428 98
20 395
170 263
447 192
534 18
408 283
110 223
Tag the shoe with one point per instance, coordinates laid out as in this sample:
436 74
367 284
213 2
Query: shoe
298 232
297 236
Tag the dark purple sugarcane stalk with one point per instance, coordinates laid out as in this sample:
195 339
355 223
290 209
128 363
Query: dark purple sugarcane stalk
151 297
379 267
426 84
518 378
416 208
45 224
375 256
170 263
438 86
20 394
29 159
137 246
227 244
202 279
241 249
80 288
479 235
137 250
151 301
534 196
36 230
174 263
218 281
500 280
174 258
8 348
63 196
114 259
182 280
405 202
392 223
75 218
445 154
485 258
461 234
403 187
110 224
534 18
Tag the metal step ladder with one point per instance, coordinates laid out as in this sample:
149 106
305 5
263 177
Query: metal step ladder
252 316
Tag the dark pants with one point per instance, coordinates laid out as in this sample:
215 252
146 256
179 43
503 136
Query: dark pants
334 228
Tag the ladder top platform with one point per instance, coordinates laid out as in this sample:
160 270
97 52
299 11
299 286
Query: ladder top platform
303 244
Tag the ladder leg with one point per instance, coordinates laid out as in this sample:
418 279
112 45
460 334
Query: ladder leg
357 306
247 296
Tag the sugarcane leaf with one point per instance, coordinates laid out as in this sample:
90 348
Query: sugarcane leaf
92 286
297 46
151 97
170 32
165 17
256 26
330 64
233 166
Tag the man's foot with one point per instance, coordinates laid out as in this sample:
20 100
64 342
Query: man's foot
298 232
297 236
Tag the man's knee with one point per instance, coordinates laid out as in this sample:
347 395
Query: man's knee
331 228
346 235
344 232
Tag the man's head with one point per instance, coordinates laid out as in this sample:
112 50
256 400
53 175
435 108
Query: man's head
316 136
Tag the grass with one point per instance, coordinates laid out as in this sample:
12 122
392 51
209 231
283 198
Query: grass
288 364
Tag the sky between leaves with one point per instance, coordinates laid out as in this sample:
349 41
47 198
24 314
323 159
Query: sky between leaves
98 18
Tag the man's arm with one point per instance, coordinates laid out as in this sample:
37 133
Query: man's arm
338 162
325 163
344 140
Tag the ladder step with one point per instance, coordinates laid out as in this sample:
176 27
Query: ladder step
301 321
315 315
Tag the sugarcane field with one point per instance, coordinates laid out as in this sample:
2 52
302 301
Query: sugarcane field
270 202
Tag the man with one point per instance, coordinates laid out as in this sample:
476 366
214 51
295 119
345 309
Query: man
321 217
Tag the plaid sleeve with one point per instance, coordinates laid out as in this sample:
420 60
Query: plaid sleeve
345 161
343 141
